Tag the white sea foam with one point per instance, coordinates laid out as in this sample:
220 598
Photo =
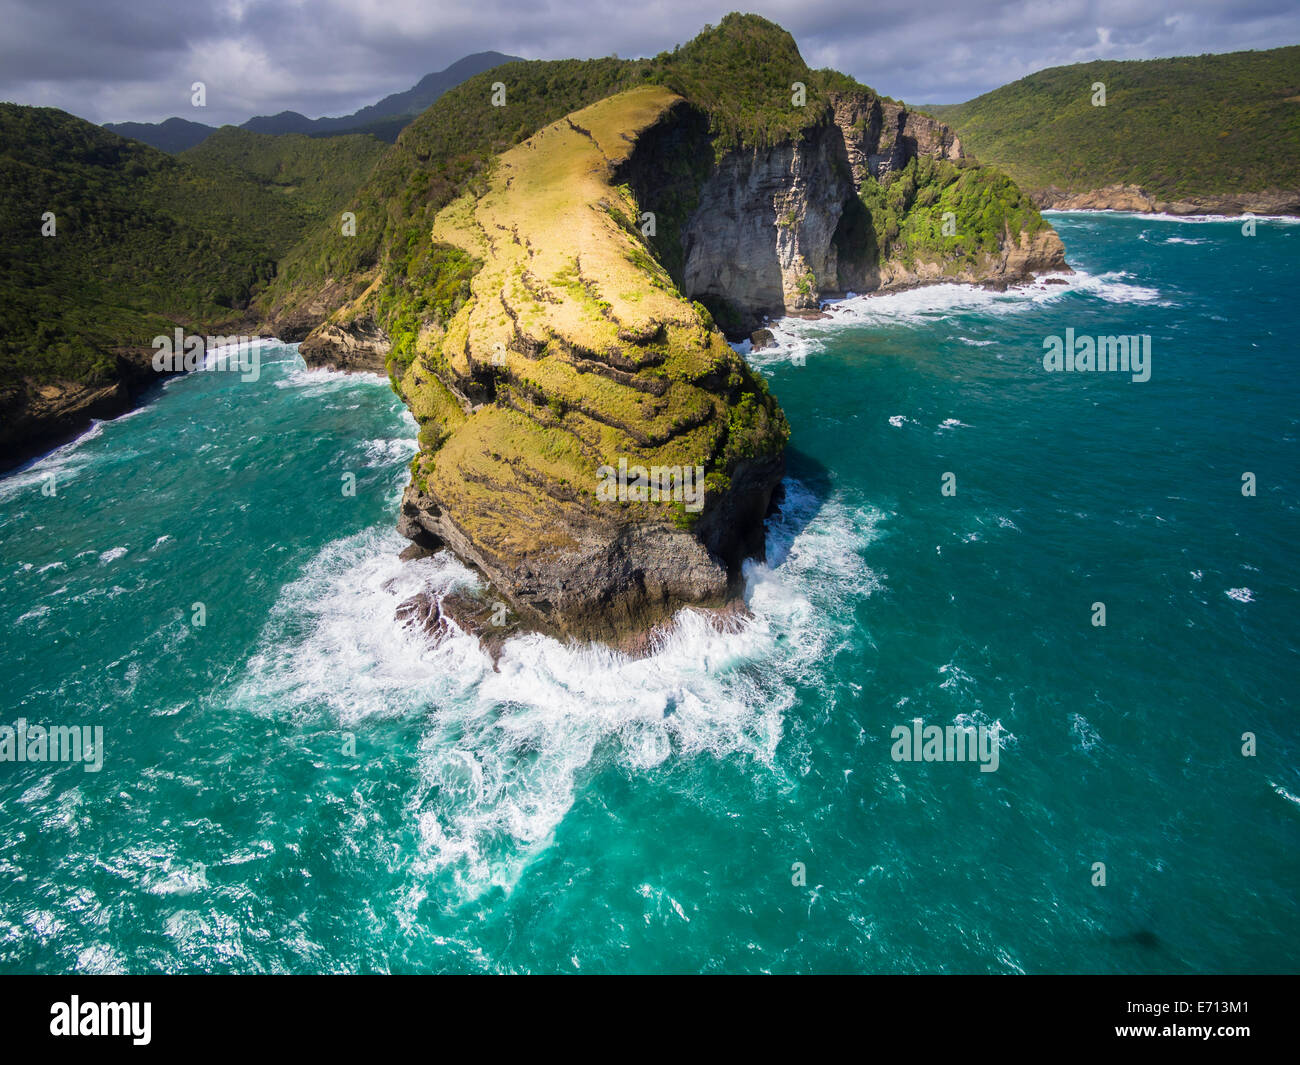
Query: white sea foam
383 453
977 719
1082 734
1241 595
63 462
320 380
798 338
212 356
503 751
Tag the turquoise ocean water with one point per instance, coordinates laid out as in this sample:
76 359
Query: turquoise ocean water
299 785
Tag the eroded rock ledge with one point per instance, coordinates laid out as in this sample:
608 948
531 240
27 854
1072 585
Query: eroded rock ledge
356 346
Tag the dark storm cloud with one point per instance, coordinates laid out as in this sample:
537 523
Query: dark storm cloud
115 60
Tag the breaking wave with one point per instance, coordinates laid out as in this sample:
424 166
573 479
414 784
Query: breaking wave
503 750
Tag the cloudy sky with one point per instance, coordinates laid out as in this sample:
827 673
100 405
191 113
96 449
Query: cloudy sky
119 60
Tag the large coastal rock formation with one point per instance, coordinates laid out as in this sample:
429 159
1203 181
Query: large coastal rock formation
775 230
575 357
561 323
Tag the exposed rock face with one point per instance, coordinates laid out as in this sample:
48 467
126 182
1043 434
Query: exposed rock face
881 135
767 234
292 324
421 613
761 236
1134 198
609 580
38 415
359 345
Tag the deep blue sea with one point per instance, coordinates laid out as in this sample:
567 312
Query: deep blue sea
300 785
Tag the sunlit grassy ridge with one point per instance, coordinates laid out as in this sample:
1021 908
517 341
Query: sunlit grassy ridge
739 74
147 241
434 160
575 353
535 333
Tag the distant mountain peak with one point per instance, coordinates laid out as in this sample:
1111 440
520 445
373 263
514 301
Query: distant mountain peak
384 119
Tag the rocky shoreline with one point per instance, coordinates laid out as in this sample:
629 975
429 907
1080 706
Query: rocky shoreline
38 416
1136 199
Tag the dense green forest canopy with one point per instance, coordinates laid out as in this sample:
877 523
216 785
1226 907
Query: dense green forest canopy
142 241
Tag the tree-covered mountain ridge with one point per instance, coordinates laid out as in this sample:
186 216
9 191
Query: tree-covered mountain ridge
1187 135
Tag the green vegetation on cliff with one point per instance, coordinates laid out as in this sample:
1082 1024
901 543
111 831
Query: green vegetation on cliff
742 73
246 230
1210 124
908 210
738 74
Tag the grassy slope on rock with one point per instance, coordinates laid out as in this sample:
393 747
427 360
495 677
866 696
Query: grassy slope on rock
433 161
590 351
145 240
1177 127
739 73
